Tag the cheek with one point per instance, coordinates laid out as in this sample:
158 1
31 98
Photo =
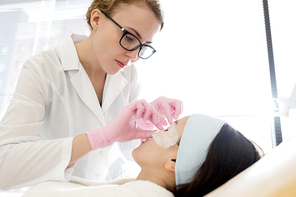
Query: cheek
134 154
106 45
133 61
150 154
146 153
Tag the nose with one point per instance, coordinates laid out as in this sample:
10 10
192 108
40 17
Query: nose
133 61
133 55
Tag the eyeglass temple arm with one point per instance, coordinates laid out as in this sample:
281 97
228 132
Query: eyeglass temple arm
113 21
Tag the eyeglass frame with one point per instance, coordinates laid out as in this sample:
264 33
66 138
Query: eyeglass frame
127 32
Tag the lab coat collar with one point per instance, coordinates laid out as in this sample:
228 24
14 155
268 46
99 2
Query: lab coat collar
69 56
114 84
82 84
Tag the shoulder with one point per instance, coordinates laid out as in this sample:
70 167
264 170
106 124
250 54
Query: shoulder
51 188
62 57
43 62
129 189
148 188
87 182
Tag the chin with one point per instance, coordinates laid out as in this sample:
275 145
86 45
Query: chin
114 72
134 154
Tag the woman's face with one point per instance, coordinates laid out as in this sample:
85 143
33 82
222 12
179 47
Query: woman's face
138 19
150 155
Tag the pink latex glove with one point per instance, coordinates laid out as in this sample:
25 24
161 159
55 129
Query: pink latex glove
169 108
123 128
147 125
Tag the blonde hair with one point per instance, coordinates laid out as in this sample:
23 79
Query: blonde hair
108 6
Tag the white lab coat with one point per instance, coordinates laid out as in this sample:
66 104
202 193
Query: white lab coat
54 100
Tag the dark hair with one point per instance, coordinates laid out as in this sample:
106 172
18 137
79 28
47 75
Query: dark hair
229 154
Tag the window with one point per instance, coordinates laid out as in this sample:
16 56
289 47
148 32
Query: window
30 27
211 54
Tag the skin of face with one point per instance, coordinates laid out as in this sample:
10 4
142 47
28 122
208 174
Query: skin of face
152 157
106 51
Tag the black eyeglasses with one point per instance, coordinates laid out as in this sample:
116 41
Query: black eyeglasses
130 42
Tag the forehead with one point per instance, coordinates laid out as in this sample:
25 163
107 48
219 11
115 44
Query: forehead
180 124
137 16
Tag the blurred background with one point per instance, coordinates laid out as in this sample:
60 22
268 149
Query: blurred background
211 54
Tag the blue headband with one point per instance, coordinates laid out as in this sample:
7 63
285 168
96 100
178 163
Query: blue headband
198 133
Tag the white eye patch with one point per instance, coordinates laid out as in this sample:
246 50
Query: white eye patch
166 139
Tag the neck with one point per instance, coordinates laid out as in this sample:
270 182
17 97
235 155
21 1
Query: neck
88 58
161 179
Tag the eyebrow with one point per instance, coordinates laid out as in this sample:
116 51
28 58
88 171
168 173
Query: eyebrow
139 35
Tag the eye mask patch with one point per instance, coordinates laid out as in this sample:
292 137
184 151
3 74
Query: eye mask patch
166 139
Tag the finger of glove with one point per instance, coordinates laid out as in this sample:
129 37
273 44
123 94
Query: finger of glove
145 125
155 118
159 124
139 109
157 104
158 120
143 134
147 110
178 105
162 121
165 105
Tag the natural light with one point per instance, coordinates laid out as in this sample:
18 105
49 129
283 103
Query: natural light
211 54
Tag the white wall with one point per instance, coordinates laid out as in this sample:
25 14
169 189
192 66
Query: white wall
211 54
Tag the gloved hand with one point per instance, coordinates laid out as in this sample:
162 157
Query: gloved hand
169 108
123 128
166 108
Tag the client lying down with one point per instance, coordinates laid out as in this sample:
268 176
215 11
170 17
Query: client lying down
193 157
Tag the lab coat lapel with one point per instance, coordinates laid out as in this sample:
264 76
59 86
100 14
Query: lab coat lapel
80 79
86 92
113 86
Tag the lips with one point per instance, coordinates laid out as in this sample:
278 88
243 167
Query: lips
121 64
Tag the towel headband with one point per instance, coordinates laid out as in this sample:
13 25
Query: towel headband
198 133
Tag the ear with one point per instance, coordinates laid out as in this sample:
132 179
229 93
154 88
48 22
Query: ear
96 15
170 164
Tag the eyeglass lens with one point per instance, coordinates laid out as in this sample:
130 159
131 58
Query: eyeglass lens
130 42
146 52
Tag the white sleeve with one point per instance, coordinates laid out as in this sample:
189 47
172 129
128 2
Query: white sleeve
24 158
